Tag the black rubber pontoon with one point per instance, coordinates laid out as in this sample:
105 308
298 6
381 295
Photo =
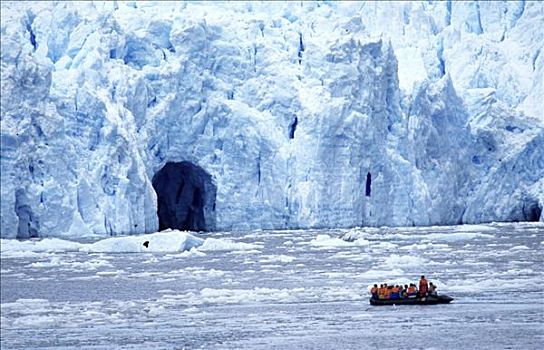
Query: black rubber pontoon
441 299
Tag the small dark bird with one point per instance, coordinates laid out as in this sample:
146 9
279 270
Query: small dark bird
146 244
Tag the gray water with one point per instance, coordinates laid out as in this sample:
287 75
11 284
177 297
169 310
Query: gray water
294 290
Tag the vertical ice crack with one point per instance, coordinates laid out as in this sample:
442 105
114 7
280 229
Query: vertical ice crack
448 13
259 169
293 128
32 35
300 48
479 30
535 57
255 57
441 61
368 184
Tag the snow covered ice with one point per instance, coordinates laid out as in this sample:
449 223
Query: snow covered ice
274 290
277 115
278 158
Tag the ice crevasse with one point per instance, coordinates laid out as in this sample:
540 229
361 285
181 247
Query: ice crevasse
130 117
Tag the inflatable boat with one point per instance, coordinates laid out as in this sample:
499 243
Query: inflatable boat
430 300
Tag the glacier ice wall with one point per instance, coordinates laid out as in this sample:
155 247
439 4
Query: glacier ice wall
307 114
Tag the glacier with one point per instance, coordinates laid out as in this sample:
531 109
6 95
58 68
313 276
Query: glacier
130 117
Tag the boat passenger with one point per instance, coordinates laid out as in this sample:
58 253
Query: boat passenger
395 292
388 292
432 290
381 292
374 292
423 287
412 291
405 291
401 292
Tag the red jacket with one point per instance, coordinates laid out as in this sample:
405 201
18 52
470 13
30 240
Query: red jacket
423 286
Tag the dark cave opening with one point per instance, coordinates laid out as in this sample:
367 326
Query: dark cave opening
185 197
293 128
532 212
368 184
28 225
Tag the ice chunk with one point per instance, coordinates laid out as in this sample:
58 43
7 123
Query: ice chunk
404 261
10 246
324 240
166 241
520 247
214 244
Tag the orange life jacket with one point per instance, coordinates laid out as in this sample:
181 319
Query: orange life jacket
394 290
381 293
387 293
411 290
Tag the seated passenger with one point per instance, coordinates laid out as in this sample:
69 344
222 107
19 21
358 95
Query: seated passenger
388 292
432 290
405 291
412 291
395 292
401 292
381 292
374 292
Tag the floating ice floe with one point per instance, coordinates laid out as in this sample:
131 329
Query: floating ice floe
379 274
169 241
14 247
277 258
520 247
456 236
384 245
432 233
488 285
165 241
426 246
214 244
404 260
439 236
324 240
56 261
473 228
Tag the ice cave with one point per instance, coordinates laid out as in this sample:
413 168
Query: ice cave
531 211
185 197
28 226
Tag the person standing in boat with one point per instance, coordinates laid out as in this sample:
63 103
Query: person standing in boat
423 287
